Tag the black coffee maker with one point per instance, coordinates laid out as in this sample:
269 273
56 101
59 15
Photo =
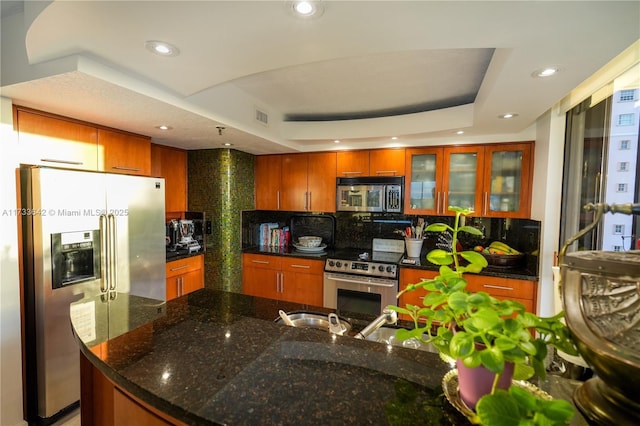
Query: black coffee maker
172 235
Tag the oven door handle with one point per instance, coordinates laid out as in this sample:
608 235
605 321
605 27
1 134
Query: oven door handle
346 280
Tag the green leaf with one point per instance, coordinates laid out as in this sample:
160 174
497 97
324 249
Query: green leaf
471 230
499 409
524 398
462 345
439 257
438 227
475 258
493 359
558 410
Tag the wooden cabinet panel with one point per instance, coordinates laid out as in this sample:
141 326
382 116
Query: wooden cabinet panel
352 163
124 153
53 141
171 164
505 287
184 276
268 170
387 162
127 411
321 182
291 279
375 162
307 182
413 276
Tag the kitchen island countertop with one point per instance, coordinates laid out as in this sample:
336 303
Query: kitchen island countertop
215 357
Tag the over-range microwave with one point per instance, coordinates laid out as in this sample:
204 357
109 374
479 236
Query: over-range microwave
370 194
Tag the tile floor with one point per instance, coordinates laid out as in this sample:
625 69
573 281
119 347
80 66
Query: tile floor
72 419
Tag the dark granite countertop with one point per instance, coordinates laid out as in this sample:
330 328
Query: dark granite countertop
180 254
214 357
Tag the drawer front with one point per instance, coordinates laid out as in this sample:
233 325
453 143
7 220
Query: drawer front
501 287
182 266
309 266
262 261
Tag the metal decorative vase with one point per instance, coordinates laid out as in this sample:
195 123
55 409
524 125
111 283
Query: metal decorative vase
601 299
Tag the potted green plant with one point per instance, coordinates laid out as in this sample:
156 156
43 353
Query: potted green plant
482 332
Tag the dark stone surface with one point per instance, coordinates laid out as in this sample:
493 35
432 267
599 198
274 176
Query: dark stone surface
215 357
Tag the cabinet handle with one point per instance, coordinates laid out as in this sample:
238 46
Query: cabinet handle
309 200
181 286
53 160
386 172
177 268
497 287
278 199
301 266
351 173
262 262
131 169
438 202
486 199
444 202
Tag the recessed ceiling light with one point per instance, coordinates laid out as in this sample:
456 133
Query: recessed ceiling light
161 48
460 132
393 138
508 115
336 141
227 144
545 72
307 9
164 127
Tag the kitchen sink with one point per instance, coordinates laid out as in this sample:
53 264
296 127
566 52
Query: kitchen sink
387 335
313 320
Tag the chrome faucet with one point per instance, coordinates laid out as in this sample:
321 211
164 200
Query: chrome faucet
388 317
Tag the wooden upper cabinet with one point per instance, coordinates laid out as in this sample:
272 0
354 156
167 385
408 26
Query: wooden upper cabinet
508 172
296 182
171 164
268 169
352 163
375 162
48 140
387 162
321 182
126 153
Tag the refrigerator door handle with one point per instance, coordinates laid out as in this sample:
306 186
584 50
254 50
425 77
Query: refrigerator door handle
113 257
104 255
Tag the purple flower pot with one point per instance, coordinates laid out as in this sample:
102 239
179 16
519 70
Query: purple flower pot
476 382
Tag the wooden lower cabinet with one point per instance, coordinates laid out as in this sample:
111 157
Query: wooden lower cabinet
184 276
413 276
103 403
522 291
292 279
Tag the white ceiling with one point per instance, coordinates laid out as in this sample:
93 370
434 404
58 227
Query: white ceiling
362 72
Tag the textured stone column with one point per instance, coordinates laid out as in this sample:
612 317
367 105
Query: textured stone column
221 184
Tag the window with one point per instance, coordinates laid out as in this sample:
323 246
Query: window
627 95
623 166
618 229
621 187
617 248
624 144
625 120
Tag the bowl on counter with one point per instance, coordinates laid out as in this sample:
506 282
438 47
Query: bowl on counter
505 260
309 241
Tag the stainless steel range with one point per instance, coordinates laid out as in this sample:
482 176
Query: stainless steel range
361 281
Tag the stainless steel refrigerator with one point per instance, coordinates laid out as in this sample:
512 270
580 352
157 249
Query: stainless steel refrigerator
85 235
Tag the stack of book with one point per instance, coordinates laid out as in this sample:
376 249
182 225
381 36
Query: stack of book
272 235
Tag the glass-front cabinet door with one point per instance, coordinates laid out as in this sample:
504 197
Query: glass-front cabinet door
462 180
423 182
507 180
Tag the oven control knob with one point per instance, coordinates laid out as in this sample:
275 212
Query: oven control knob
381 268
331 263
389 268
338 264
